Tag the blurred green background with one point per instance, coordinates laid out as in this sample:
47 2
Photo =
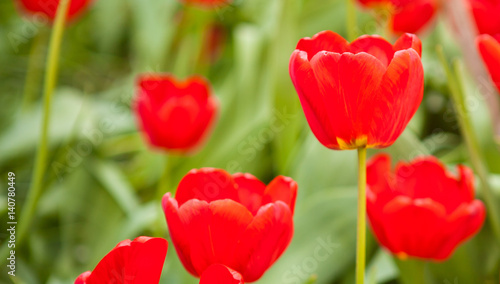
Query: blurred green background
101 178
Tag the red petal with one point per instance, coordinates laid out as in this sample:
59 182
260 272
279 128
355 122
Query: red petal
206 184
374 45
282 189
407 41
486 15
213 231
49 8
250 191
82 278
177 232
489 48
220 274
265 239
412 227
401 91
323 41
465 222
349 83
311 99
132 262
414 16
379 179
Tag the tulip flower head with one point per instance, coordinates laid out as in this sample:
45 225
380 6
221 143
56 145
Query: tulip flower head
405 16
489 48
132 262
175 115
421 210
232 220
48 8
486 14
359 94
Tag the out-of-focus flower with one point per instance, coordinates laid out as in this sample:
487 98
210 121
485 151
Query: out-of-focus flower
489 48
236 221
358 94
49 7
220 274
421 210
486 13
405 16
175 115
208 3
132 262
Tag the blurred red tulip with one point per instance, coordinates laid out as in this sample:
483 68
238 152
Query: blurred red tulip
49 7
406 16
131 262
236 221
421 210
489 47
486 13
220 274
175 115
208 3
358 94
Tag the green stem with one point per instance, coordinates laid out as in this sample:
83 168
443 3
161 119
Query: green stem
411 271
164 182
351 20
34 72
471 140
361 235
29 208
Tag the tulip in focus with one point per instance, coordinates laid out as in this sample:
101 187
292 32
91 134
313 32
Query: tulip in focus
175 115
489 48
232 220
421 210
359 94
49 7
405 16
486 14
132 262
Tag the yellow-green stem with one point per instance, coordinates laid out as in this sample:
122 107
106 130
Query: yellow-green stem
351 20
361 232
471 141
34 72
51 68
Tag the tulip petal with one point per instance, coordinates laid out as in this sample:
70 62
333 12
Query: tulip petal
379 179
220 274
311 99
414 16
265 239
323 41
348 83
250 191
213 230
177 232
400 94
407 41
465 222
282 189
489 48
132 262
374 45
410 226
206 184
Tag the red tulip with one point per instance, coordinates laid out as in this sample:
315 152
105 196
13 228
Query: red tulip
49 7
486 15
489 47
131 262
208 3
175 115
406 16
220 274
358 94
421 210
236 221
